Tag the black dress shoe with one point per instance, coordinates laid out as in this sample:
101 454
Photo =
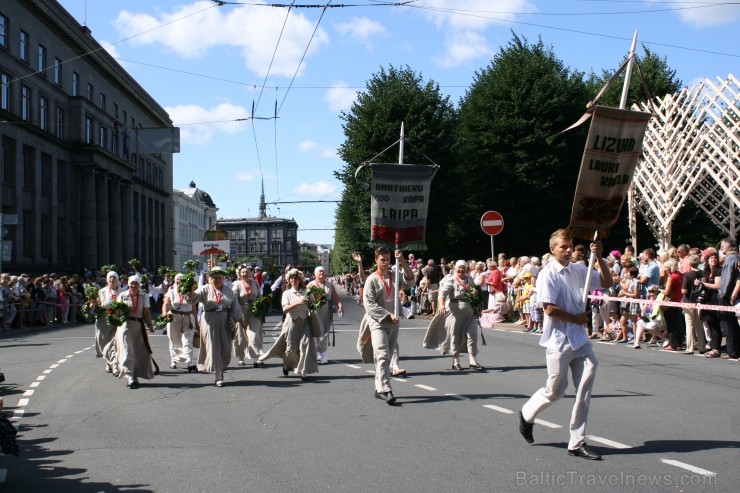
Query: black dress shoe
193 368
476 366
259 364
133 384
525 428
286 370
456 366
584 452
386 396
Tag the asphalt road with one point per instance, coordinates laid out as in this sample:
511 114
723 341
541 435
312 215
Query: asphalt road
662 421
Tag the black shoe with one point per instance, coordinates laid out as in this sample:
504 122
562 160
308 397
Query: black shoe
386 396
584 452
259 364
285 370
108 369
525 428
193 368
456 366
133 384
476 366
304 378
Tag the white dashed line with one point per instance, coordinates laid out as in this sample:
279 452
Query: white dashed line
499 409
40 377
17 414
370 371
547 424
688 467
425 387
354 366
28 393
610 443
78 352
34 384
458 397
399 379
61 361
46 372
70 356
22 402
55 365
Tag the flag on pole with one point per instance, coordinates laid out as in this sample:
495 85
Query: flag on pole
613 149
399 203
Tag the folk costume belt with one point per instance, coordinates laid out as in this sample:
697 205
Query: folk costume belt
178 312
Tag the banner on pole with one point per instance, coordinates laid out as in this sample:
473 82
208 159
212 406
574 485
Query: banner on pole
399 203
613 149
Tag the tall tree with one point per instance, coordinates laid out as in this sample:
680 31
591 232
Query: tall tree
371 126
525 95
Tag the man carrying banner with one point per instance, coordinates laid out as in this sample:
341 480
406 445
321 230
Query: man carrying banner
560 287
378 300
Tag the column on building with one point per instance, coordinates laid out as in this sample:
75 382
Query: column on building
103 239
115 221
88 219
127 218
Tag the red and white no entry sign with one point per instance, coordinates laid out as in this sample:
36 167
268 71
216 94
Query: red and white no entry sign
492 223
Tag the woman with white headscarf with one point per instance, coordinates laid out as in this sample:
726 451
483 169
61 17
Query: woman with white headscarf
181 330
105 334
295 344
324 313
133 352
221 313
455 327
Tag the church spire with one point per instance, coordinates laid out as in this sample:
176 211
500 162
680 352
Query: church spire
263 205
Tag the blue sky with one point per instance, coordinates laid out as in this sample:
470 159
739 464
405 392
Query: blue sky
209 65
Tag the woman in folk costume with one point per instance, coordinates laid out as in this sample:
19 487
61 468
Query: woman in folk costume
133 353
105 334
221 313
181 329
248 339
455 327
296 344
324 313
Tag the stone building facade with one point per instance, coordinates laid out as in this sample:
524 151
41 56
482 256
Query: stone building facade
81 194
195 212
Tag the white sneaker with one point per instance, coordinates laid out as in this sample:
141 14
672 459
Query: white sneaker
173 365
323 360
241 362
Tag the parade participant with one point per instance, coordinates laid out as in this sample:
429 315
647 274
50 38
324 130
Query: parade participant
181 329
221 312
325 313
455 328
248 341
133 353
564 335
295 344
378 299
105 334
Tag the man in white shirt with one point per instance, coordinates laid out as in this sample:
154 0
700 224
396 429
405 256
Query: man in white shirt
560 287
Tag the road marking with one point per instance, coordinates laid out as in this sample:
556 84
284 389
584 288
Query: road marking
370 371
46 372
34 384
399 379
425 387
55 365
22 402
40 377
500 330
499 409
61 361
17 415
547 424
610 443
458 397
70 356
688 467
354 366
28 393
78 352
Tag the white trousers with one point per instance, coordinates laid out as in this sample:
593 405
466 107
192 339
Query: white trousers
582 363
384 343
180 333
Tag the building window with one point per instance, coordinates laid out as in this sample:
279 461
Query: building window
29 168
44 113
75 84
115 110
88 130
46 236
57 72
103 137
26 103
45 174
102 101
24 46
3 31
90 92
60 123
29 236
8 160
61 181
42 59
114 141
5 92
275 247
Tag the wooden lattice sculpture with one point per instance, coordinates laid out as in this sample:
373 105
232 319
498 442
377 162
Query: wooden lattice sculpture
691 151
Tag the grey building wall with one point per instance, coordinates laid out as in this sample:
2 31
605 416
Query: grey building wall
70 170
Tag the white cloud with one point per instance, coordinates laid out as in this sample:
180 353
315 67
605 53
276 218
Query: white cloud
710 16
318 189
307 145
362 29
329 153
111 49
474 14
198 124
340 96
191 30
246 175
463 47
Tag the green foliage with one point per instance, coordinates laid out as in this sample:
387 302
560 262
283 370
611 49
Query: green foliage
191 265
308 260
109 267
